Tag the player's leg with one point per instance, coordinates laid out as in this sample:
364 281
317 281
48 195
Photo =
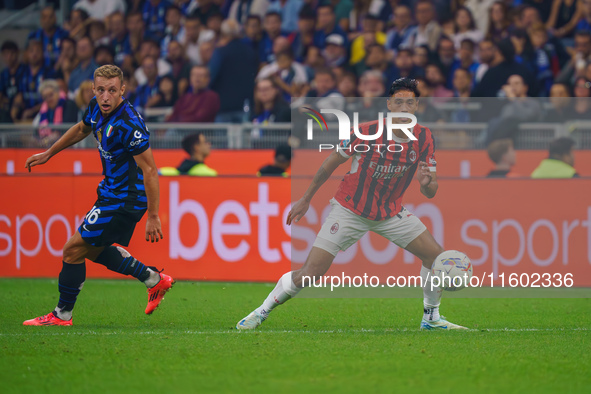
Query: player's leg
288 286
70 281
426 248
330 240
408 232
118 228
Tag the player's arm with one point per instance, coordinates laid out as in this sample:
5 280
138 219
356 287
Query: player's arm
427 179
74 134
331 163
145 161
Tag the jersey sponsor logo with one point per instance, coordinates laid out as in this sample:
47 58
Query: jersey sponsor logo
387 171
104 154
137 142
432 161
137 134
334 228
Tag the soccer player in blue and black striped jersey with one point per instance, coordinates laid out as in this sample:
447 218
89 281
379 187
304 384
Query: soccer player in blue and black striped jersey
129 189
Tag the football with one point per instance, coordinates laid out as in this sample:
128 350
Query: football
454 270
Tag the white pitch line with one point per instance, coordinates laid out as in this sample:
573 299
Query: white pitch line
263 331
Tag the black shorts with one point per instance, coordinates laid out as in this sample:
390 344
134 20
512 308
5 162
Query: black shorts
109 223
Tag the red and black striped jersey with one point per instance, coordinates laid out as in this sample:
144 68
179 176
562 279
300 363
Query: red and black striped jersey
378 178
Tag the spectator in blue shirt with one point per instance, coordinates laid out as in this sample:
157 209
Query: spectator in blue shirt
271 30
28 101
119 39
289 10
233 68
303 38
86 67
146 95
50 35
154 13
326 25
11 75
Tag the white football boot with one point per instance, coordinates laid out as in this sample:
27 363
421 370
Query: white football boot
250 322
440 324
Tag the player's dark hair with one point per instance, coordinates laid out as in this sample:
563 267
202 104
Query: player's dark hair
560 147
404 84
283 153
9 46
189 142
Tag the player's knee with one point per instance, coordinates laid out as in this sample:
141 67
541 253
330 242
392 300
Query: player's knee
74 251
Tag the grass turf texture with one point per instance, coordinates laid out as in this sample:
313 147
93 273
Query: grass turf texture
333 345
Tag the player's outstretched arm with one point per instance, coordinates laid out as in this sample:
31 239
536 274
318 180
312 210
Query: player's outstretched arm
145 161
427 179
300 208
74 134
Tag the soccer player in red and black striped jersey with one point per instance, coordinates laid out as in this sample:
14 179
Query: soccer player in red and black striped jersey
370 199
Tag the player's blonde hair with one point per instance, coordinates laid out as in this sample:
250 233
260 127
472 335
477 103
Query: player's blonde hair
109 71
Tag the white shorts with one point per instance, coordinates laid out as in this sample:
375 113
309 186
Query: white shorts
342 228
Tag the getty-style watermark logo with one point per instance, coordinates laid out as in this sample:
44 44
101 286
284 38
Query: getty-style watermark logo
345 136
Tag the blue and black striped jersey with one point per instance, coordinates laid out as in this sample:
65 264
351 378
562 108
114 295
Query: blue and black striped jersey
120 136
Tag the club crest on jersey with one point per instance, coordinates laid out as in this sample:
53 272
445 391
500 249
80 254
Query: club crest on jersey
99 135
334 228
412 155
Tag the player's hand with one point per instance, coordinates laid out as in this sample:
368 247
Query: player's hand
298 210
424 174
154 229
36 160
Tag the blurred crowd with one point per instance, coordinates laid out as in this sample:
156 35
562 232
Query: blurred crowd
244 60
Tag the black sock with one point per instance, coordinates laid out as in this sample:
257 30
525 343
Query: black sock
70 283
114 260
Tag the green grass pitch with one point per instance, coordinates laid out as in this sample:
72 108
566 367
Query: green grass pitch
308 345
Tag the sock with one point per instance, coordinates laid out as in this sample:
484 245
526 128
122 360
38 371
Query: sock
117 259
431 298
70 282
283 291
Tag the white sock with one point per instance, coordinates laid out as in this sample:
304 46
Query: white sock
153 279
283 291
431 298
64 315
